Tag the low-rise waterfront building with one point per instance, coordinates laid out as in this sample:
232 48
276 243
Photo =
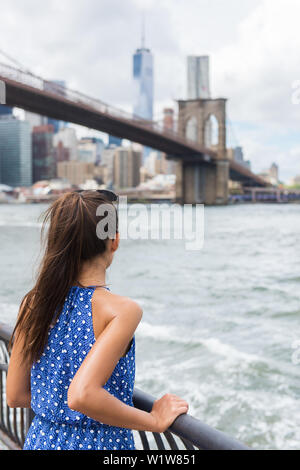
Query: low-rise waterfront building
75 172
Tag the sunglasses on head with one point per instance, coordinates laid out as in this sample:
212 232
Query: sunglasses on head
109 195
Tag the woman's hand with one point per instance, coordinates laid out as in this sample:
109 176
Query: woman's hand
166 409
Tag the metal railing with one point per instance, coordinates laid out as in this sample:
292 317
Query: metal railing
14 422
186 432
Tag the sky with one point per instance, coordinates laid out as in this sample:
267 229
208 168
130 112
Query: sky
254 49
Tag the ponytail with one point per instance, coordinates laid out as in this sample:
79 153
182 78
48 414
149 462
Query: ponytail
71 239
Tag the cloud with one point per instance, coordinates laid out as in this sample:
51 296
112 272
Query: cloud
257 70
90 42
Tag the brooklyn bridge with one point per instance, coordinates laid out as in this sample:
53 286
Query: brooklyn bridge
202 171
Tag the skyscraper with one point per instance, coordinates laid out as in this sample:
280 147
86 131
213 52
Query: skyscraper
5 110
61 153
15 152
75 172
67 137
90 150
198 84
113 140
127 164
143 85
43 156
143 82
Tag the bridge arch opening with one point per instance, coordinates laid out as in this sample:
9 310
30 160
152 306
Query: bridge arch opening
211 131
191 130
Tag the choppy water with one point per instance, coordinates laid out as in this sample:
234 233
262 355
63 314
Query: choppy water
218 325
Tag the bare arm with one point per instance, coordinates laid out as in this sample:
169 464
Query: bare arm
87 395
18 377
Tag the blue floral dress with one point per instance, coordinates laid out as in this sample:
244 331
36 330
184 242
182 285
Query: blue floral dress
55 426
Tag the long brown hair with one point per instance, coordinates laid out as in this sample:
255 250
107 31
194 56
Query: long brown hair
71 239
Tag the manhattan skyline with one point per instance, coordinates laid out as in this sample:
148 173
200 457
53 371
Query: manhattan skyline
253 51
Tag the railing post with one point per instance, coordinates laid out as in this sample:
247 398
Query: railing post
2 92
28 418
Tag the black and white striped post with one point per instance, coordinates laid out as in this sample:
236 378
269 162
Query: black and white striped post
2 92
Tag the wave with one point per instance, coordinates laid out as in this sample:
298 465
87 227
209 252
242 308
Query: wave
232 358
171 334
8 313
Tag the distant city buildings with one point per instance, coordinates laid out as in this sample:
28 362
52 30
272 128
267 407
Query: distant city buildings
5 110
61 153
75 172
90 150
274 173
107 162
15 152
112 140
46 152
157 163
127 165
198 81
295 181
43 156
68 139
103 176
237 155
163 183
271 175
56 162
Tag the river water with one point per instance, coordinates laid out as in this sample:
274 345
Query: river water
220 325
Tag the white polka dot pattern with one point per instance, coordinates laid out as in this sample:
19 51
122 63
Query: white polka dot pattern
55 425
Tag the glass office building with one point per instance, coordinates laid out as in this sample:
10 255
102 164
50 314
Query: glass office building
15 153
5 110
143 83
143 87
112 140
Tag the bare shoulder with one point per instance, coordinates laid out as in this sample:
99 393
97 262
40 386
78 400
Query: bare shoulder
109 306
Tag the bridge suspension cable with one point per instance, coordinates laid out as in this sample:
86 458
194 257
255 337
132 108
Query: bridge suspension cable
231 133
15 62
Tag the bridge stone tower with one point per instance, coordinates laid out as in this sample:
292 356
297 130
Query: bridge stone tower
198 181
